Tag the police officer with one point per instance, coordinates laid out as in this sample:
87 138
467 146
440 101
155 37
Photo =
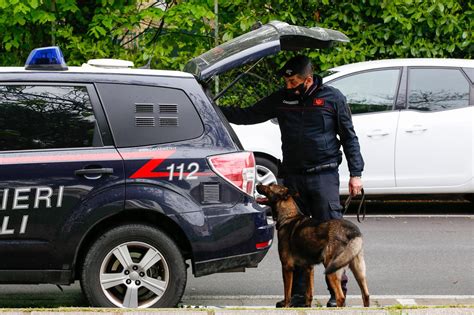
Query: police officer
314 120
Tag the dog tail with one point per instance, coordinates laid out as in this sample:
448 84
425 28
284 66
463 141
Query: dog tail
344 258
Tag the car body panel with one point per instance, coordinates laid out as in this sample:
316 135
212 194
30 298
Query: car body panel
377 134
263 137
434 149
400 62
50 219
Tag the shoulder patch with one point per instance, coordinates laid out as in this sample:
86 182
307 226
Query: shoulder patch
318 102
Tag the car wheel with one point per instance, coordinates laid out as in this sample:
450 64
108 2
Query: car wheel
134 266
266 172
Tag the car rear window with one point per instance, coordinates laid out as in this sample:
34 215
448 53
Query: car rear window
145 115
437 89
470 73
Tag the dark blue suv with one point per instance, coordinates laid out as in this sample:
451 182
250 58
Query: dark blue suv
118 176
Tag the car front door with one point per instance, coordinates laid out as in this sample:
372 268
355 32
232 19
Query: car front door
371 96
53 157
434 149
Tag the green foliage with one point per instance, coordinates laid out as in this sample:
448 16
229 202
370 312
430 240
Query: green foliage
377 29
170 32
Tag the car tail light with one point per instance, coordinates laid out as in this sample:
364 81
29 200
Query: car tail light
236 168
263 244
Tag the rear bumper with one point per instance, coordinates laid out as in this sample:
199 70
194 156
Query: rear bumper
207 267
239 240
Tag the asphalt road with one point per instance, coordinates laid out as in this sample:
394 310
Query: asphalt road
405 255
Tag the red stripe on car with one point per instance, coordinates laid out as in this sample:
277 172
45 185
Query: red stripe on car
29 158
147 170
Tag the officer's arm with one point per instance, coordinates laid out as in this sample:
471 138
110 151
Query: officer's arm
261 111
349 140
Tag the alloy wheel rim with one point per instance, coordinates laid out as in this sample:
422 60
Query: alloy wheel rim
134 275
265 177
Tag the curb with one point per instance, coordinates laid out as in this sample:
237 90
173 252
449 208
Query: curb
468 310
353 302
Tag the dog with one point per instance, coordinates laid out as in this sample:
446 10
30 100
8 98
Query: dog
305 243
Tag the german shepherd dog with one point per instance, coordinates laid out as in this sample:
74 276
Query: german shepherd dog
305 243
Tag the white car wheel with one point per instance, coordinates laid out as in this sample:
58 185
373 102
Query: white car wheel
134 266
266 173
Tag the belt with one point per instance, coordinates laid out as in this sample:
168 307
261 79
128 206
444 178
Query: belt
320 168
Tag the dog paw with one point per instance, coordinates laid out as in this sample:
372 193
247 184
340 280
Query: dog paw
281 304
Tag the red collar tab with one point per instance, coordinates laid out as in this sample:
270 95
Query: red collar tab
318 102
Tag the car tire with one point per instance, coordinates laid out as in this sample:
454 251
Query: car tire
134 266
267 171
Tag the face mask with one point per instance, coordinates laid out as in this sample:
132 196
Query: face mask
300 88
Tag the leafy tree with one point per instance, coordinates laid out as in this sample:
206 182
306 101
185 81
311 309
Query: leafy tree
377 29
86 29
167 33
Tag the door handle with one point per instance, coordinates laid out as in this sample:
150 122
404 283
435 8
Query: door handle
416 129
377 133
93 173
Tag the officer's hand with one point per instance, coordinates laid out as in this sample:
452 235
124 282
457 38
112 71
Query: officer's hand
355 186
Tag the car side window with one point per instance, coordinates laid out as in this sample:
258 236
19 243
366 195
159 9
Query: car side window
146 115
470 73
371 91
46 117
437 89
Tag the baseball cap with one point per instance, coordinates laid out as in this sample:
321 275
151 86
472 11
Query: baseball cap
297 65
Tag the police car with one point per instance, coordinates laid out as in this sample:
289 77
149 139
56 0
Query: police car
116 177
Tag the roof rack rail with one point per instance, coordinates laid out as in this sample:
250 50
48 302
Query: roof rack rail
109 63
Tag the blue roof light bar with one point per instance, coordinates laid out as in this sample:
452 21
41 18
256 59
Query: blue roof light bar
46 58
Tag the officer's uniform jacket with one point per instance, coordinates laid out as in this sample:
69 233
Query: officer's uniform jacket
309 125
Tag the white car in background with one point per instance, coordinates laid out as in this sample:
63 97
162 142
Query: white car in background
415 123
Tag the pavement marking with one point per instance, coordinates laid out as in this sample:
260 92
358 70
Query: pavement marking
406 301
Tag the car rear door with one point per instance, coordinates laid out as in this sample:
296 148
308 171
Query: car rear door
371 96
434 150
55 153
268 39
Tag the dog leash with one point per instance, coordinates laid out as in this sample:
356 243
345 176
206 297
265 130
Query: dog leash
361 203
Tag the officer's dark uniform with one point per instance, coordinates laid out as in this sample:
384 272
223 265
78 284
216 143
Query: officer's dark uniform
311 151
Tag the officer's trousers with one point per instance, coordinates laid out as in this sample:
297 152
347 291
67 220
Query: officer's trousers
318 198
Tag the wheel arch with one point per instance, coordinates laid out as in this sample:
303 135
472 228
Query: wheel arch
155 219
266 156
